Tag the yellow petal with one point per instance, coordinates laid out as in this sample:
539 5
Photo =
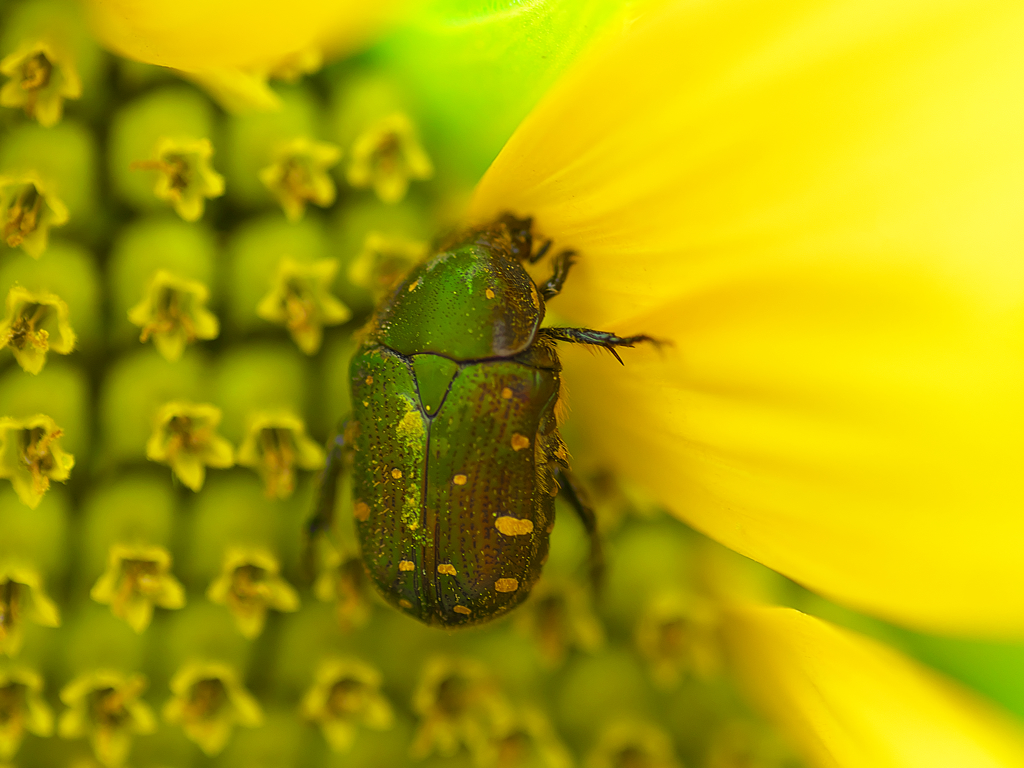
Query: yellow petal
229 45
851 702
820 205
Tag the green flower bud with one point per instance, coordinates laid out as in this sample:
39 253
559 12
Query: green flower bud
260 377
390 747
599 689
371 122
48 56
525 739
278 273
300 299
742 742
157 143
375 244
105 705
281 740
96 639
265 389
208 701
233 515
309 636
249 585
342 581
459 704
125 555
279 156
345 695
47 179
677 635
160 274
627 743
22 708
559 617
200 630
649 560
22 597
61 392
69 272
135 388
36 539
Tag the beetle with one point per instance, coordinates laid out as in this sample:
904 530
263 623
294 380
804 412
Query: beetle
453 438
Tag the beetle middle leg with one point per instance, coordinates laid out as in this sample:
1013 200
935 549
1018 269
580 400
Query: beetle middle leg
320 522
594 338
574 493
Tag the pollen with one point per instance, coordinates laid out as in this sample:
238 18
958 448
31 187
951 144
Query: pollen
396 473
406 565
446 568
519 442
506 585
459 479
413 285
506 393
361 511
369 380
489 293
403 603
462 609
513 526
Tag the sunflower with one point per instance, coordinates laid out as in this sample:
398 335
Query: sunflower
816 204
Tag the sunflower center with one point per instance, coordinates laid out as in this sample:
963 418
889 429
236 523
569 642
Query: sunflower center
10 607
108 709
205 698
12 701
278 452
249 585
347 697
36 72
36 455
140 577
23 215
26 330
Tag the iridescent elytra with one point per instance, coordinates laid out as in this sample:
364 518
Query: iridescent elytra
453 439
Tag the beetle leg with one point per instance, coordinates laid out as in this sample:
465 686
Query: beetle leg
594 338
541 252
574 493
326 497
561 263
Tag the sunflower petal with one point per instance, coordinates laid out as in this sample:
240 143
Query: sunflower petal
819 204
851 702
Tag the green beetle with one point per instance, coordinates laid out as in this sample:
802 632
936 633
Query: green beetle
453 438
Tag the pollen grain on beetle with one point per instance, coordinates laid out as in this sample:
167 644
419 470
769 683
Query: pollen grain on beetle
506 585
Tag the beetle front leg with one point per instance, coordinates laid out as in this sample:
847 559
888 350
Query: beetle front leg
595 338
562 263
574 493
325 498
